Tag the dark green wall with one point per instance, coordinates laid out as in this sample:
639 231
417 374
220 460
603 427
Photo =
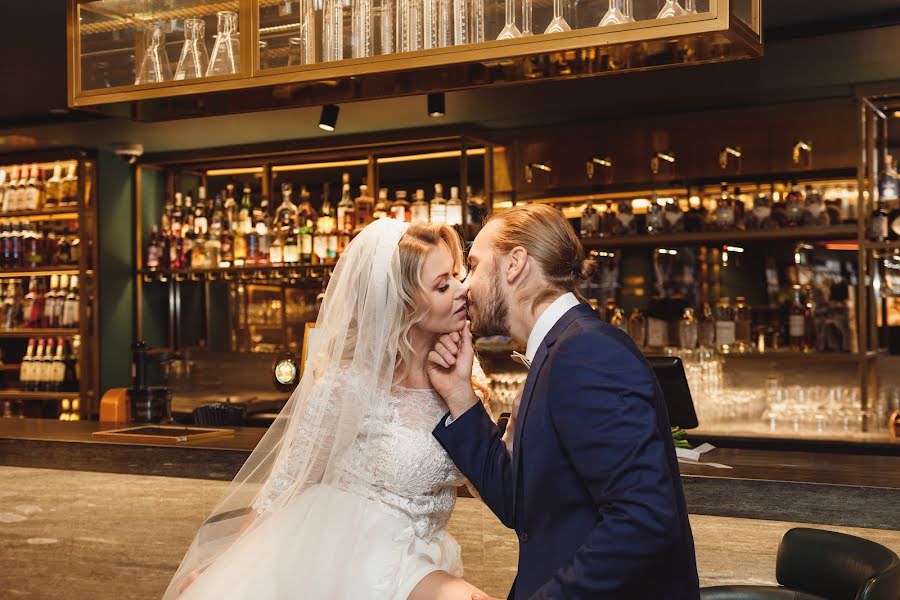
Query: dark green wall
115 222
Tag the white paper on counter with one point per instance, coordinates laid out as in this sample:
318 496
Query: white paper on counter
692 456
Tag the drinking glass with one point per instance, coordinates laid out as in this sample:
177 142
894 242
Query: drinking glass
510 31
333 30
672 8
361 28
613 15
194 58
558 24
226 53
155 66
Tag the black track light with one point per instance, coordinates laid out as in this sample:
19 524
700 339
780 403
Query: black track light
328 120
436 107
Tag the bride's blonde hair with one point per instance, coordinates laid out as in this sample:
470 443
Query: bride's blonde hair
416 243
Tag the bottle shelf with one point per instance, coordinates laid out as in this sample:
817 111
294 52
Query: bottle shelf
38 333
825 357
7 273
833 232
63 213
246 273
22 395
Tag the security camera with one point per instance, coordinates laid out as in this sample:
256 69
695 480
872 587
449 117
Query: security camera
128 152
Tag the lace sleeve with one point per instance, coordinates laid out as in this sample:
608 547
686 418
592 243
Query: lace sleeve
311 445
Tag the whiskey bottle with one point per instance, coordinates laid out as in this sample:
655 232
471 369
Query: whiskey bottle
53 188
760 216
291 248
625 217
438 208
419 211
286 215
590 221
71 314
276 249
50 314
45 368
34 190
382 209
400 208
688 330
797 320
59 303
230 207
793 205
201 221
346 210
364 208
34 373
57 369
725 326
725 211
743 325
878 222
4 191
69 186
674 216
26 370
815 213
239 243
454 207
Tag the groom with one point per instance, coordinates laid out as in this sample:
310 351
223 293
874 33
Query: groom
592 487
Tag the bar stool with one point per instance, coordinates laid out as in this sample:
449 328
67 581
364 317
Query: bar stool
814 564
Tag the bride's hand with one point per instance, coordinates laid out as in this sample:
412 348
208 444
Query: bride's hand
449 368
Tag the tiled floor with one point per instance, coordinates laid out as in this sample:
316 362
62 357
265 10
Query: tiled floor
102 536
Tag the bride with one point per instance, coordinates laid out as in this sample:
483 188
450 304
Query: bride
348 494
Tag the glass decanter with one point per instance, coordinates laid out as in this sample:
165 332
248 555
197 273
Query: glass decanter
672 8
613 15
226 53
155 66
558 24
510 31
194 58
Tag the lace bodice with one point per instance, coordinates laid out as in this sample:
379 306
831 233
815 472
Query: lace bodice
395 460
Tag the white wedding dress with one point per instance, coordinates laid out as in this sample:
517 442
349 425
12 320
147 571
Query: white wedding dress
372 530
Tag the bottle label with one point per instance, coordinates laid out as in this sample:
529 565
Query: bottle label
275 255
797 326
724 332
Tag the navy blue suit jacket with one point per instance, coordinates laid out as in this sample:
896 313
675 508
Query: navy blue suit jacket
592 488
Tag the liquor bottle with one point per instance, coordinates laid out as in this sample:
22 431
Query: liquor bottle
151 260
4 191
27 368
239 244
878 222
797 321
226 246
29 302
29 249
400 208
34 194
743 325
688 329
438 208
201 221
45 367
276 249
34 375
70 381
50 314
346 210
617 319
695 217
725 211
59 303
725 326
5 232
197 259
382 209
11 197
177 215
12 305
69 187
454 207
306 214
57 374
212 250
590 221
419 211
187 223
655 222
814 211
230 207
325 240
760 216
793 205
22 199
71 314
53 188
609 224
286 213
246 210
217 218
258 238
674 216
706 327
6 305
625 217
364 208
637 327
740 208
291 249
888 188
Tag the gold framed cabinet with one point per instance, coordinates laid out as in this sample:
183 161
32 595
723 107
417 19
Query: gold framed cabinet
158 59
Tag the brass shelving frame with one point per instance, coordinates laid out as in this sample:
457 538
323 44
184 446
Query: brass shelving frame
712 36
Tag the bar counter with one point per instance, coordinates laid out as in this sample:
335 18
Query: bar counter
833 488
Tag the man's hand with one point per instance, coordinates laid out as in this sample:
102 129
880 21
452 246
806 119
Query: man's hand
449 368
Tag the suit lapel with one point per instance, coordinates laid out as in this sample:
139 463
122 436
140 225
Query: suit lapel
540 358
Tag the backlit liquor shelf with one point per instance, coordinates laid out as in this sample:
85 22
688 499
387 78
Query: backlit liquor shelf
834 232
246 273
7 273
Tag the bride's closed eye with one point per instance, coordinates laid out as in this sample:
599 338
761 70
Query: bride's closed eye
446 286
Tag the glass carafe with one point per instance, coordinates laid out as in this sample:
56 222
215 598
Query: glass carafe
672 8
155 66
226 53
613 15
194 58
510 31
558 24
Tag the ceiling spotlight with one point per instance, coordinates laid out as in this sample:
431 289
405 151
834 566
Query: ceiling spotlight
328 120
436 104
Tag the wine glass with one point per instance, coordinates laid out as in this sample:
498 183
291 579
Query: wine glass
613 15
155 66
194 57
672 8
558 24
510 31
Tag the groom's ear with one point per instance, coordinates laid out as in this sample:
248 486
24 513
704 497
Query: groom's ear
517 265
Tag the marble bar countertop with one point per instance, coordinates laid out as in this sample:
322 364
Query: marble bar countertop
855 490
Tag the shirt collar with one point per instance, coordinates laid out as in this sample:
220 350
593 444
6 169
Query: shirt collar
547 320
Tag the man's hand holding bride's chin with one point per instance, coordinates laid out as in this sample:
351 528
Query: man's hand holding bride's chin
449 368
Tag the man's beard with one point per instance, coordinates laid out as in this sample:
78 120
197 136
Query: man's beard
490 315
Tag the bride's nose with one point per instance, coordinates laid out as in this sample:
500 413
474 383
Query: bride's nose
462 290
